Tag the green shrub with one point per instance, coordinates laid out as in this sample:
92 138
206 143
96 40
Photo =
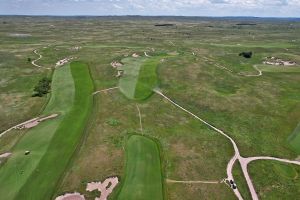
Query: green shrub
43 87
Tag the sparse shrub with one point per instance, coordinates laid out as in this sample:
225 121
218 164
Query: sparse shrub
43 87
29 59
246 54
113 122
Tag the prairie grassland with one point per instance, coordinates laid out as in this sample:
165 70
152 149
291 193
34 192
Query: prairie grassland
259 113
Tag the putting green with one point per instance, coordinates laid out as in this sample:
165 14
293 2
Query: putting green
143 177
294 139
140 77
53 142
285 170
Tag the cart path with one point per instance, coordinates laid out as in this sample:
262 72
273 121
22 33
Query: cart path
40 56
243 161
105 90
14 127
140 117
191 182
29 123
253 75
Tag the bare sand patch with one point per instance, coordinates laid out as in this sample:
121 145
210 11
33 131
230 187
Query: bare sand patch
135 55
278 62
105 188
4 156
70 196
63 61
35 122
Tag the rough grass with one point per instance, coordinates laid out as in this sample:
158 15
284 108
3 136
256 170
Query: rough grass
294 139
143 176
271 179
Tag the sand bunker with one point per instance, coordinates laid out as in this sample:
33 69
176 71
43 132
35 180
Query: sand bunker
4 155
63 61
116 64
105 188
135 55
35 122
278 62
71 196
19 35
75 48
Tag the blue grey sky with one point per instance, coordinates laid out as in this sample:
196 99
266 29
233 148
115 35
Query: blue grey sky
259 8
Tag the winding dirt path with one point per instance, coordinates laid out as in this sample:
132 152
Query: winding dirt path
40 56
243 161
105 90
18 125
146 54
140 117
253 75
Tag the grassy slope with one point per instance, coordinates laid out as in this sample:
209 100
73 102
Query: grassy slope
51 149
147 79
65 139
272 179
294 139
140 77
128 82
143 178
18 169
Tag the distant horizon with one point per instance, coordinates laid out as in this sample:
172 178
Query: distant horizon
195 8
229 16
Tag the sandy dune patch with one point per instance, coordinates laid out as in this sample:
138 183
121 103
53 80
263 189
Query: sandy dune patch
71 196
105 188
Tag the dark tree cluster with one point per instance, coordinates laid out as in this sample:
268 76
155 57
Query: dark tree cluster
246 54
43 87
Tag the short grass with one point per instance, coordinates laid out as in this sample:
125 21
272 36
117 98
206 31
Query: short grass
140 77
294 139
54 141
143 175
18 169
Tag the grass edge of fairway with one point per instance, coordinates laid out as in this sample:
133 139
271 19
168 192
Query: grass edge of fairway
53 185
85 133
117 190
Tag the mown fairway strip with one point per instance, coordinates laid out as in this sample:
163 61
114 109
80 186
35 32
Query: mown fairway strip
294 139
52 143
140 77
143 178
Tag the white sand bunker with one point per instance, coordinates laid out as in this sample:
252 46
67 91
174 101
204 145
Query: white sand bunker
71 196
4 155
135 55
116 64
105 188
278 62
35 122
63 61
19 35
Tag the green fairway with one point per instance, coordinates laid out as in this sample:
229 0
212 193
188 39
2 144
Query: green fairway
140 77
51 143
294 139
143 178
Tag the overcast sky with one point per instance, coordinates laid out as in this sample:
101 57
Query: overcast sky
260 8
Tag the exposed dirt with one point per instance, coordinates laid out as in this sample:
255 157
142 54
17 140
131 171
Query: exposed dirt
105 188
135 55
278 62
63 61
71 196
